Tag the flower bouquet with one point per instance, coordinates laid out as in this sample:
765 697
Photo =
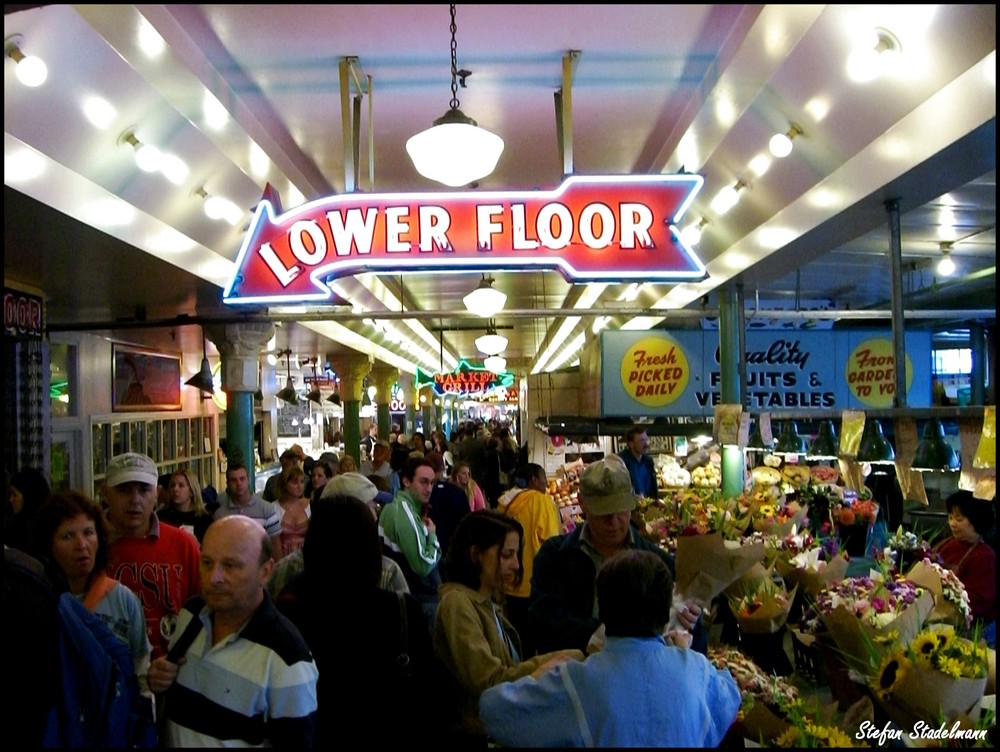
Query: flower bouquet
812 570
866 615
934 677
762 607
708 564
854 523
951 601
779 520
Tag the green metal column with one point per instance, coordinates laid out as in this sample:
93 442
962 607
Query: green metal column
426 412
352 429
730 326
239 346
977 381
239 431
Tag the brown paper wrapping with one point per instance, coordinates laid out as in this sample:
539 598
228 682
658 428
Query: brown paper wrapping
760 724
706 566
781 529
767 619
811 582
923 694
944 611
856 640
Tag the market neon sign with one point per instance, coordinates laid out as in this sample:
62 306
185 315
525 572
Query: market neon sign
463 381
590 228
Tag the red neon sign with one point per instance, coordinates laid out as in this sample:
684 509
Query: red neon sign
590 228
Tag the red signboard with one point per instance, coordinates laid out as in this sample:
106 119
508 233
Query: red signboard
590 228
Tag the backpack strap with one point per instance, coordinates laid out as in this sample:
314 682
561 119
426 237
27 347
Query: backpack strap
179 648
100 586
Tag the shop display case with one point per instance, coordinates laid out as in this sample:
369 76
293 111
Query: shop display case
174 443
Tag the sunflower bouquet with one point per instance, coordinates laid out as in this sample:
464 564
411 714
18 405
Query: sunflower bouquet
934 677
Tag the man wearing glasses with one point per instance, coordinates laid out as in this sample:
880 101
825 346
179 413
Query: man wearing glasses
409 536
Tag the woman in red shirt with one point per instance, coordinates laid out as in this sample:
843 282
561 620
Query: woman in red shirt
971 558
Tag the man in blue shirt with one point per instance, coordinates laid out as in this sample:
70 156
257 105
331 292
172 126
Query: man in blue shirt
640 465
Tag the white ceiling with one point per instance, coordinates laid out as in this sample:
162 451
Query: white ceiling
655 88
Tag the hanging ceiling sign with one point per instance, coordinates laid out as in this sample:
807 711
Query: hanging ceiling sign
465 380
590 228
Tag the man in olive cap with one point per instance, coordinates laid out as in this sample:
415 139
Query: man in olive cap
563 605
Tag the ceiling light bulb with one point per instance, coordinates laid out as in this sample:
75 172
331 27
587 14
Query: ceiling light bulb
30 70
946 267
780 145
148 158
873 56
727 198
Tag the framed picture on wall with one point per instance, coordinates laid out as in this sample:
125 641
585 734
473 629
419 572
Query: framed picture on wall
144 380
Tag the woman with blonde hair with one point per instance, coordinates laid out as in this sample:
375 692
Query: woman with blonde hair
461 476
293 508
185 506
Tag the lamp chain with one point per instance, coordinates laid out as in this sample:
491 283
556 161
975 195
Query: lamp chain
454 62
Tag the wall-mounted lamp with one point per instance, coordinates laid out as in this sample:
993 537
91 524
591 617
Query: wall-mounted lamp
728 197
217 207
781 143
692 233
485 301
203 379
946 266
30 70
455 150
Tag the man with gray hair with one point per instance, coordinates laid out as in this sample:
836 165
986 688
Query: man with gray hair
563 606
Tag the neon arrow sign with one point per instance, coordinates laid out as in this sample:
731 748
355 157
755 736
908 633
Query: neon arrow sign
590 228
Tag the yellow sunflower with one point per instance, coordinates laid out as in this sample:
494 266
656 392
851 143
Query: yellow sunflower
894 667
924 646
950 667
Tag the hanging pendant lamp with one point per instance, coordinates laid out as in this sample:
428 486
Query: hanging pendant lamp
203 379
485 301
288 393
933 452
455 151
491 343
826 444
790 442
875 448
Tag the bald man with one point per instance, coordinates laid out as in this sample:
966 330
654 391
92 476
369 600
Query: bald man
248 678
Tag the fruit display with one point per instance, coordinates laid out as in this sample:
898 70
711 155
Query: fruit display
765 476
672 475
797 476
707 476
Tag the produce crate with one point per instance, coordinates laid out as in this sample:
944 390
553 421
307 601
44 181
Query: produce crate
806 654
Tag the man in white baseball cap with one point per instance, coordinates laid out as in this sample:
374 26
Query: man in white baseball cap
157 561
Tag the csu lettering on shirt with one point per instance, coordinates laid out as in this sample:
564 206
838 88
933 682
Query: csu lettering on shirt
151 582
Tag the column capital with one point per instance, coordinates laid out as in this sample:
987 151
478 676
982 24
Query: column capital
384 377
352 370
240 346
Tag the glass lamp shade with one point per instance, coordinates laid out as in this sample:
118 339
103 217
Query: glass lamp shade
203 379
315 396
334 399
826 444
484 300
790 442
933 452
491 343
495 364
455 151
875 447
